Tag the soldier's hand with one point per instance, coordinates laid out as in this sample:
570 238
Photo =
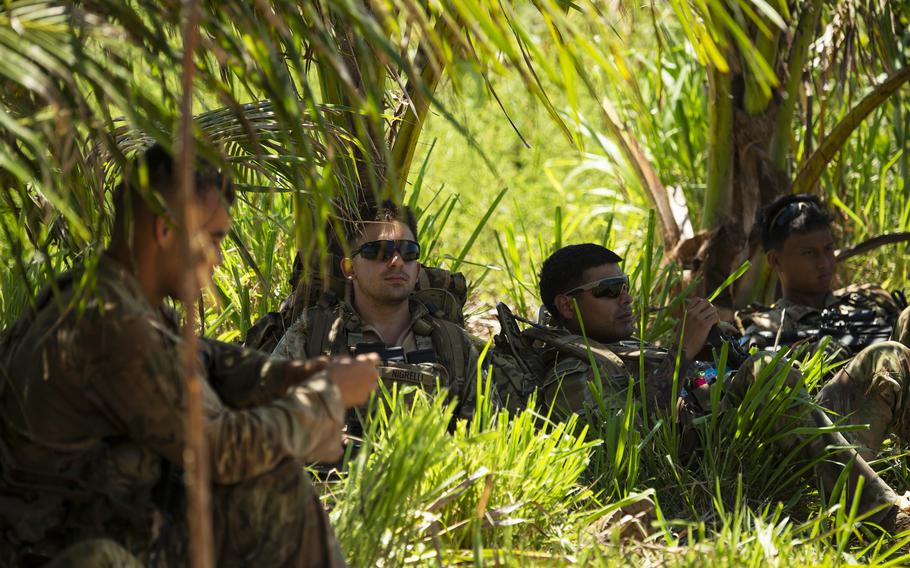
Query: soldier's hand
356 378
701 316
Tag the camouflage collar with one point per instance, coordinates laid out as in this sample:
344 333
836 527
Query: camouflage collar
110 267
418 324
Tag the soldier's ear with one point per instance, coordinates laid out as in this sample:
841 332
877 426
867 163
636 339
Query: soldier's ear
347 268
564 307
162 233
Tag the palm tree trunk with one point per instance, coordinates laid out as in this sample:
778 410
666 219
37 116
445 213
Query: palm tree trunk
719 188
783 129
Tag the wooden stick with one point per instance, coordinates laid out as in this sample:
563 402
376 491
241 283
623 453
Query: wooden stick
195 456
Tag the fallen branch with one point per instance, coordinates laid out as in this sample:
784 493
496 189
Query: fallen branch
871 244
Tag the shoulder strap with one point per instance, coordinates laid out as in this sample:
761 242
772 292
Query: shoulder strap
326 330
448 342
575 345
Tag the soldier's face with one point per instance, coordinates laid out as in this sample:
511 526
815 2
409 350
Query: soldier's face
805 263
213 222
388 281
605 319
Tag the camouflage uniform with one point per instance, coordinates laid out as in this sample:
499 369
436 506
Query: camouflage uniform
93 415
761 326
96 553
338 329
882 370
902 328
568 375
872 389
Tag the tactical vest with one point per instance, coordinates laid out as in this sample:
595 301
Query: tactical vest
617 360
336 332
856 316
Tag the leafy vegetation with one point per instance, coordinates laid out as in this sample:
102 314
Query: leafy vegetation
513 128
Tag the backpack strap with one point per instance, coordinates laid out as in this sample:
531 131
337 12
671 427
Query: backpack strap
448 342
327 330
574 345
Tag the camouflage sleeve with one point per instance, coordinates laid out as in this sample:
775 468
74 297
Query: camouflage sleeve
902 328
139 386
292 344
565 388
243 377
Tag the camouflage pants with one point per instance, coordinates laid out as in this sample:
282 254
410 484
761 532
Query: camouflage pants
96 553
869 389
902 328
872 390
275 519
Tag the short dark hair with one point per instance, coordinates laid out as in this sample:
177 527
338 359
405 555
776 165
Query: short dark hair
798 214
564 270
162 182
386 211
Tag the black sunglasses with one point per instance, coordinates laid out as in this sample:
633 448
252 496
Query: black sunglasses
409 251
612 287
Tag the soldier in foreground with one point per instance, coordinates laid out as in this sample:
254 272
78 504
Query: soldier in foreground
380 315
796 237
93 417
587 293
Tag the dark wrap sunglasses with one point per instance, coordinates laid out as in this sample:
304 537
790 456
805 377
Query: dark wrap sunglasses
611 287
409 251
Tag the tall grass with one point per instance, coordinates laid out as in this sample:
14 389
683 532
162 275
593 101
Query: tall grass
524 490
415 493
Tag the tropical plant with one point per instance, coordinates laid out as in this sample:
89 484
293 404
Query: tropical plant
787 86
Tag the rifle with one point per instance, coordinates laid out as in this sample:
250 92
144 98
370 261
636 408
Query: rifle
853 331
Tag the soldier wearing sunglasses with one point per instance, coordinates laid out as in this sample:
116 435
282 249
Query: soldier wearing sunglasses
587 294
380 315
798 244
593 350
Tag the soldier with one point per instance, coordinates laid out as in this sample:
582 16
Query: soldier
587 294
588 277
93 416
797 240
382 316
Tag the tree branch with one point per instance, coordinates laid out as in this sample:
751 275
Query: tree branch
872 244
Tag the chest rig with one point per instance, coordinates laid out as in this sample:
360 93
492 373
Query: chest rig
422 366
